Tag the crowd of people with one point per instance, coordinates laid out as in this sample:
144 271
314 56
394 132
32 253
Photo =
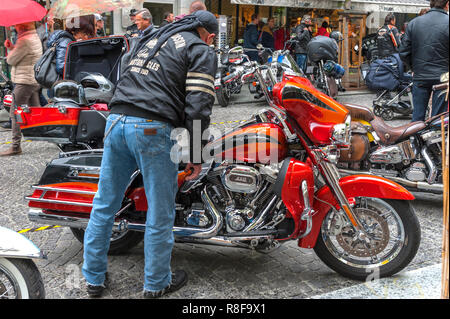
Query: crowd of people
176 92
424 53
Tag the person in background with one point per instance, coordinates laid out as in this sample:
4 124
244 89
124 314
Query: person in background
267 36
168 18
143 20
251 36
425 48
196 6
323 30
132 30
79 28
388 37
22 56
303 34
99 25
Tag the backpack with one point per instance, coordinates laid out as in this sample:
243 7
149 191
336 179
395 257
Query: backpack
386 41
383 74
45 68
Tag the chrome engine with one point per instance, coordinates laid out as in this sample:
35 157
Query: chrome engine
244 194
394 154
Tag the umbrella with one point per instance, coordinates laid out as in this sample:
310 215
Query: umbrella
20 11
63 9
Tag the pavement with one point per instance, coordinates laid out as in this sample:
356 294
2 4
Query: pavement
214 272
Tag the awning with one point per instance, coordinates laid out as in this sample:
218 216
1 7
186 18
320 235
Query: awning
399 6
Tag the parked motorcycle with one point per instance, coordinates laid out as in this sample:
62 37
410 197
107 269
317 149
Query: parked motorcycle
269 180
19 276
75 119
232 64
322 51
410 154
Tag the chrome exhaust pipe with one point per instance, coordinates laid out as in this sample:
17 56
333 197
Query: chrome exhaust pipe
418 186
39 216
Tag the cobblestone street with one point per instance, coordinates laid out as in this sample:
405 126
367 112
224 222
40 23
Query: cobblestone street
214 272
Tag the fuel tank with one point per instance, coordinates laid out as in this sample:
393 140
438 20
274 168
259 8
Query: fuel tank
250 143
314 111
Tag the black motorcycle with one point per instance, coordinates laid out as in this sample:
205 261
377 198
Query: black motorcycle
231 65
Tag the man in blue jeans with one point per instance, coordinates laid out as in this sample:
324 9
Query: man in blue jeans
167 82
424 47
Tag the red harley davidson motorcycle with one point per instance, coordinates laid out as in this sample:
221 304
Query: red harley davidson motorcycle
356 224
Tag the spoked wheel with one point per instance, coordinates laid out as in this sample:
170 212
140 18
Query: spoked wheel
392 241
387 115
378 110
20 279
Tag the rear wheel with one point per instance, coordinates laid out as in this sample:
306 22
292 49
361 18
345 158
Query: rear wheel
121 242
393 238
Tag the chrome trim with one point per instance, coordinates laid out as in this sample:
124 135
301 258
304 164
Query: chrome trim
433 170
261 217
37 215
65 190
54 201
203 233
308 212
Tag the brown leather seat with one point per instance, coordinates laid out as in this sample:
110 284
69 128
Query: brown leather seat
360 112
389 134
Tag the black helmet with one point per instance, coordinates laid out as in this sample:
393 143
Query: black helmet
68 91
336 35
97 88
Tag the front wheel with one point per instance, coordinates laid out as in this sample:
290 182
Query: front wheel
393 238
20 279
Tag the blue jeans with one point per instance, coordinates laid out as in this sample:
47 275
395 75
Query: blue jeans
421 92
301 61
134 143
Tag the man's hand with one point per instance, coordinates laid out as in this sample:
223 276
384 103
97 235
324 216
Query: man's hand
195 171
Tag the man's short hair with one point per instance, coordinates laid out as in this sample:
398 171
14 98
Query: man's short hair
254 16
196 6
389 18
166 15
145 13
438 4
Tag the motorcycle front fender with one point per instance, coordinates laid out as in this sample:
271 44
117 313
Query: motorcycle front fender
352 186
15 245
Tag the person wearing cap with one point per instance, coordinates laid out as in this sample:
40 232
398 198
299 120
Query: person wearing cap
303 34
99 25
132 30
167 82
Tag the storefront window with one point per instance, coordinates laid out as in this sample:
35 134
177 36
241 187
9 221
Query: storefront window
157 10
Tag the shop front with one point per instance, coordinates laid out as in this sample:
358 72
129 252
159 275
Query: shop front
354 19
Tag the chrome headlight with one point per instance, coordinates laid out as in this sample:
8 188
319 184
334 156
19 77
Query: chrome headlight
341 133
